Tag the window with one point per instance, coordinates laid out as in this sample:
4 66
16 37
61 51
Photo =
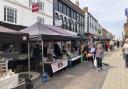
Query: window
65 22
60 7
41 5
64 9
10 14
56 16
72 25
72 14
77 16
68 11
40 20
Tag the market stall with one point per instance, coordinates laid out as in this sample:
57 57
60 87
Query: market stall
51 38
10 47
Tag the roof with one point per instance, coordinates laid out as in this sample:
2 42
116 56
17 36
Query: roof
48 32
12 26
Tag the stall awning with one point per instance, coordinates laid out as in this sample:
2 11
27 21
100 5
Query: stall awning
49 32
9 35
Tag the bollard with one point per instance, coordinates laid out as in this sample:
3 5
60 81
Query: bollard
29 84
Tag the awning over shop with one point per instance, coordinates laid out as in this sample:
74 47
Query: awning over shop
48 32
9 35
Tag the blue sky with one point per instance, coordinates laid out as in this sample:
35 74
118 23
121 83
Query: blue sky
109 13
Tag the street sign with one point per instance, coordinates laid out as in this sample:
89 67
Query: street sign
126 12
35 7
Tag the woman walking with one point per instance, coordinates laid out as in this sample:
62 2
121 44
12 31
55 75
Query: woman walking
99 56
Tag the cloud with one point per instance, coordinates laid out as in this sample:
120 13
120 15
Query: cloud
109 13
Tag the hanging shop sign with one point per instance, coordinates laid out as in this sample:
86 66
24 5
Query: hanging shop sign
35 7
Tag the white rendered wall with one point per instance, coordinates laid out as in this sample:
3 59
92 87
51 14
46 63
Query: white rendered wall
25 16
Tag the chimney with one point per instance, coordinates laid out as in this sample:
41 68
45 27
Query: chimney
77 3
85 9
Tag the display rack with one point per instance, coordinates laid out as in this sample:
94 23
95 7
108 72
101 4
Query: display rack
4 65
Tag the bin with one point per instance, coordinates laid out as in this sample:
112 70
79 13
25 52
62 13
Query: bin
29 84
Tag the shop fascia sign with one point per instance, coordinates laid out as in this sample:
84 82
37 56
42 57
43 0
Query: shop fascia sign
126 12
58 22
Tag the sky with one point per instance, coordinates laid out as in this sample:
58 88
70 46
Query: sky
109 13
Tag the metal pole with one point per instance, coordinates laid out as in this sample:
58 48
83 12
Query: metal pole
29 60
42 55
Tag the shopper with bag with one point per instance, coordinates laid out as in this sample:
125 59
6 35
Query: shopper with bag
90 55
125 50
93 52
99 56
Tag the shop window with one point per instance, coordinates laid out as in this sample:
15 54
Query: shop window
56 16
69 24
75 28
65 23
10 14
61 18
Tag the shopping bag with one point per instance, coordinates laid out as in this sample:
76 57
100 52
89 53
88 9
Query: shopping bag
89 55
95 62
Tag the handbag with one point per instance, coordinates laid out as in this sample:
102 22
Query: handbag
89 55
95 62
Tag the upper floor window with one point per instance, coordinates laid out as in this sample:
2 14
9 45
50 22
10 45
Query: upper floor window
68 11
60 7
64 9
40 20
10 14
41 5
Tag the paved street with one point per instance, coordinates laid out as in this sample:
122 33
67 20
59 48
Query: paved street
117 77
78 77
83 77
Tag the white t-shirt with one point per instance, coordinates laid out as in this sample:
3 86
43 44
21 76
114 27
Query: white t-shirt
125 47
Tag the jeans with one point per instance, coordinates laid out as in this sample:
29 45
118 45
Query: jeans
99 62
126 60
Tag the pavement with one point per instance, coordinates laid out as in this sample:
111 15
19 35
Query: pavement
117 77
81 76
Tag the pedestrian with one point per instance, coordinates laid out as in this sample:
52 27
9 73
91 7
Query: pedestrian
84 50
107 46
93 52
37 56
111 45
125 51
99 56
118 43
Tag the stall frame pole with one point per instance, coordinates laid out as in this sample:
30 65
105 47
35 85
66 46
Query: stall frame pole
42 55
29 65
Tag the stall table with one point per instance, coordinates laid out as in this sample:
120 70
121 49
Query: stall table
74 61
9 82
52 67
